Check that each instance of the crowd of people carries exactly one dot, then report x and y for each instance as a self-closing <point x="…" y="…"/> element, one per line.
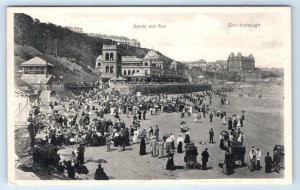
<point x="82" y="122"/>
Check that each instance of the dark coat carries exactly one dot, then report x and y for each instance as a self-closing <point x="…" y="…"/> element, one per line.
<point x="143" y="146"/>
<point x="187" y="138"/>
<point x="205" y="156"/>
<point x="100" y="174"/>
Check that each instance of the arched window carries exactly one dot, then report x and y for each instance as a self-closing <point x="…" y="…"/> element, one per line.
<point x="146" y="72"/>
<point x="107" y="56"/>
<point x="111" y="56"/>
<point x="137" y="71"/>
<point x="133" y="72"/>
<point x="146" y="63"/>
<point x="129" y="72"/>
<point x="111" y="69"/>
<point x="99" y="64"/>
<point x="107" y="69"/>
<point x="124" y="72"/>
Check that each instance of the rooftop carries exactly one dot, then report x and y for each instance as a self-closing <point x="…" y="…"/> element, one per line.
<point x="36" y="79"/>
<point x="131" y="59"/>
<point x="36" y="61"/>
<point x="111" y="47"/>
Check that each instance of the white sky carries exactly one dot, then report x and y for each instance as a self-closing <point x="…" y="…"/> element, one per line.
<point x="191" y="33"/>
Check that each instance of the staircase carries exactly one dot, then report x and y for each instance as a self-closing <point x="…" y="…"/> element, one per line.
<point x="45" y="96"/>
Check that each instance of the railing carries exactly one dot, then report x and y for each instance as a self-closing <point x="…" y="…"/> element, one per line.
<point x="16" y="115"/>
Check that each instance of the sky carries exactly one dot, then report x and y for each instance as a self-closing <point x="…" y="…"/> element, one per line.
<point x="188" y="34"/>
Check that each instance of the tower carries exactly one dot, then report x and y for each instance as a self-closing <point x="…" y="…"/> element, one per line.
<point x="111" y="62"/>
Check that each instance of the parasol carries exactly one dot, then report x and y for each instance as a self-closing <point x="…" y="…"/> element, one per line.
<point x="83" y="142"/>
<point x="182" y="123"/>
<point x="142" y="132"/>
<point x="224" y="133"/>
<point x="100" y="161"/>
<point x="106" y="135"/>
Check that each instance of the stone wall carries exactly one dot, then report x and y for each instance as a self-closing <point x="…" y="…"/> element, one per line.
<point x="162" y="88"/>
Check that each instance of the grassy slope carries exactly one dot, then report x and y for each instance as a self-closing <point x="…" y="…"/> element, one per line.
<point x="31" y="38"/>
<point x="61" y="65"/>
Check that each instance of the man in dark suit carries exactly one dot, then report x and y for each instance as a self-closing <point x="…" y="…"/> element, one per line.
<point x="205" y="157"/>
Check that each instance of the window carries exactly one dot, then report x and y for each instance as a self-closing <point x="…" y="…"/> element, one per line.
<point x="39" y="70"/>
<point x="137" y="71"/>
<point x="146" y="63"/>
<point x="111" y="56"/>
<point x="30" y="70"/>
<point x="146" y="72"/>
<point x="106" y="69"/>
<point x="25" y="70"/>
<point x="129" y="72"/>
<point x="111" y="69"/>
<point x="124" y="72"/>
<point x="106" y="56"/>
<point x="133" y="72"/>
<point x="99" y="64"/>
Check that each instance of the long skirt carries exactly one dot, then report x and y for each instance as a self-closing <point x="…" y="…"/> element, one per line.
<point x="222" y="143"/>
<point x="173" y="145"/>
<point x="224" y="121"/>
<point x="182" y="115"/>
<point x="268" y="168"/>
<point x="135" y="139"/>
<point x="252" y="165"/>
<point x="179" y="147"/>
<point x="168" y="148"/>
<point x="161" y="151"/>
<point x="170" y="164"/>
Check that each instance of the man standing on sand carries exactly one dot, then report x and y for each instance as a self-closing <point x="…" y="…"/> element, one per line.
<point x="230" y="124"/>
<point x="153" y="145"/>
<point x="269" y="163"/>
<point x="258" y="155"/>
<point x="211" y="136"/>
<point x="252" y="159"/>
<point x="205" y="157"/>
<point x="211" y="116"/>
<point x="156" y="132"/>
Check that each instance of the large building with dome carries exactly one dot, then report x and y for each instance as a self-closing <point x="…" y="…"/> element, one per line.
<point x="111" y="65"/>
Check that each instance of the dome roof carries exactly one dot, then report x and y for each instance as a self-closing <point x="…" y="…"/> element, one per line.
<point x="174" y="63"/>
<point x="151" y="55"/>
<point x="99" y="58"/>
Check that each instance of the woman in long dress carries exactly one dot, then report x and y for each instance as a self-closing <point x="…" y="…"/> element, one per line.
<point x="269" y="163"/>
<point x="161" y="149"/>
<point x="222" y="142"/>
<point x="228" y="163"/>
<point x="187" y="138"/>
<point x="239" y="123"/>
<point x="224" y="120"/>
<point x="135" y="137"/>
<point x="168" y="145"/>
<point x="170" y="162"/>
<point x="179" y="144"/>
<point x="143" y="146"/>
